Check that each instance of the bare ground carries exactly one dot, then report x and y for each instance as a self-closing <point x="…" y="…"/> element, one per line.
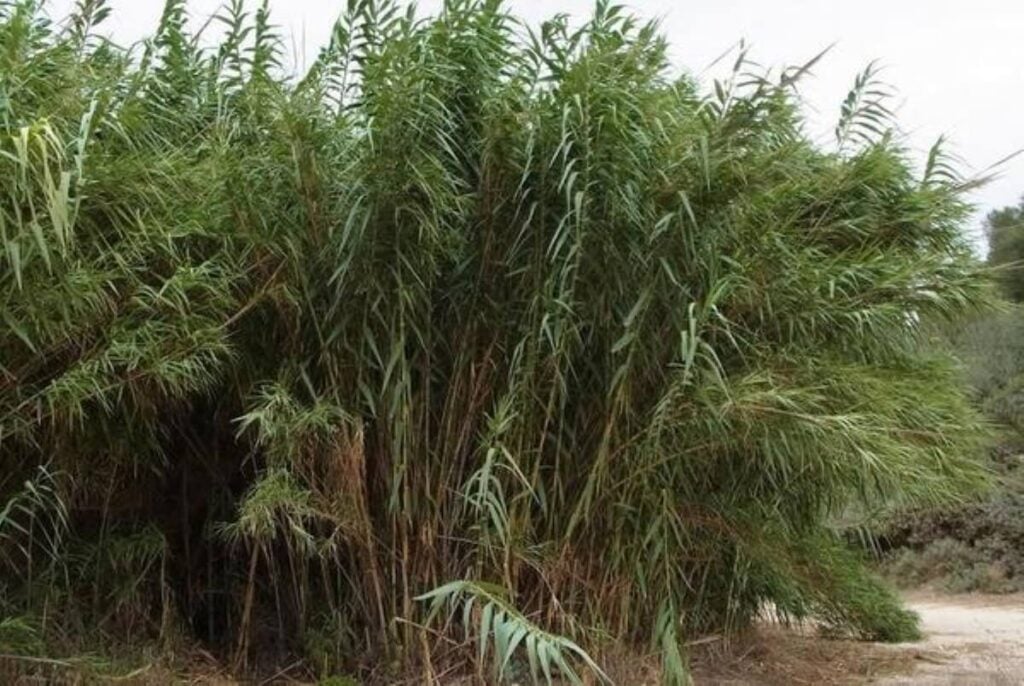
<point x="969" y="640"/>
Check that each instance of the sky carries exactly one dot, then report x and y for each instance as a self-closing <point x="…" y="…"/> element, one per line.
<point x="957" y="67"/>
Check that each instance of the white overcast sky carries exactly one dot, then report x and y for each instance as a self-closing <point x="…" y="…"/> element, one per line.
<point x="958" y="66"/>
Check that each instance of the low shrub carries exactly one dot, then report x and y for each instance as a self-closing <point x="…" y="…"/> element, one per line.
<point x="973" y="547"/>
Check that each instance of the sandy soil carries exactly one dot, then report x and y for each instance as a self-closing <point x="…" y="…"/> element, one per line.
<point x="970" y="640"/>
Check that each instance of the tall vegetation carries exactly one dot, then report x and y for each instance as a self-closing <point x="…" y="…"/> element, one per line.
<point x="470" y="336"/>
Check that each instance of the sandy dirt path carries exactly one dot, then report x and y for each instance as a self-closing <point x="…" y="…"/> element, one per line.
<point x="969" y="640"/>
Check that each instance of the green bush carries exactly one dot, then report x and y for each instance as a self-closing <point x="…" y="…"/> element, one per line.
<point x="949" y="565"/>
<point x="514" y="322"/>
<point x="974" y="547"/>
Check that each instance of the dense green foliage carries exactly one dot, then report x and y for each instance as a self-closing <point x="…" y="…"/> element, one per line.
<point x="469" y="331"/>
<point x="1004" y="229"/>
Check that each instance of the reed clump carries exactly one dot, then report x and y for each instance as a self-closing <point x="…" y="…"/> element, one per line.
<point x="475" y="347"/>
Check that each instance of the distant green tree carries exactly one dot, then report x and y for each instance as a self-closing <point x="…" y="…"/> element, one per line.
<point x="1004" y="229"/>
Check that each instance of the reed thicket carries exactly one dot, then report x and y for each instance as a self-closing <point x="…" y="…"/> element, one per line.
<point x="473" y="345"/>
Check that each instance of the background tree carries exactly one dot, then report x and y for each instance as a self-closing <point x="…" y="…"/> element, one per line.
<point x="1004" y="229"/>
